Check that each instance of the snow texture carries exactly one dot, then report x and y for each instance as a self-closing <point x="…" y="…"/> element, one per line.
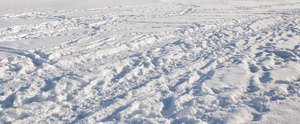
<point x="150" y="62"/>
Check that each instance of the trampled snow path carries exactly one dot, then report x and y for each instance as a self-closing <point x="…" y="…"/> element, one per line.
<point x="173" y="64"/>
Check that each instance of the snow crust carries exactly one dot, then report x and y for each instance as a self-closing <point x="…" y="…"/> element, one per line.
<point x="150" y="62"/>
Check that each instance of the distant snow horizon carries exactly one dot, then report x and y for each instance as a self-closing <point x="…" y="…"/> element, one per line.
<point x="17" y="4"/>
<point x="22" y="4"/>
<point x="66" y="4"/>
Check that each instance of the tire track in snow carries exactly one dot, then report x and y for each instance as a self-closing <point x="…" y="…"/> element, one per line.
<point x="164" y="73"/>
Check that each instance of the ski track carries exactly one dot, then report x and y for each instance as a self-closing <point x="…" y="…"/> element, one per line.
<point x="178" y="64"/>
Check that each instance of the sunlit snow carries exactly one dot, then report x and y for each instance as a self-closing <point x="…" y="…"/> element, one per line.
<point x="150" y="61"/>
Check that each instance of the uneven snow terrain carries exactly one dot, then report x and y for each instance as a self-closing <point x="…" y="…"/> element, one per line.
<point x="175" y="61"/>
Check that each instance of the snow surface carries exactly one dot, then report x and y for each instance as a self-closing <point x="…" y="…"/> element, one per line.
<point x="150" y="62"/>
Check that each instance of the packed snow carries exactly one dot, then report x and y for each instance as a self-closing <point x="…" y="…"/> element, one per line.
<point x="150" y="62"/>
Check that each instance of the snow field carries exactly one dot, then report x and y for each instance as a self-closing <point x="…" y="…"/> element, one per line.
<point x="180" y="63"/>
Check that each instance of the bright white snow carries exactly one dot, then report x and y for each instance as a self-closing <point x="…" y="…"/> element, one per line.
<point x="150" y="62"/>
